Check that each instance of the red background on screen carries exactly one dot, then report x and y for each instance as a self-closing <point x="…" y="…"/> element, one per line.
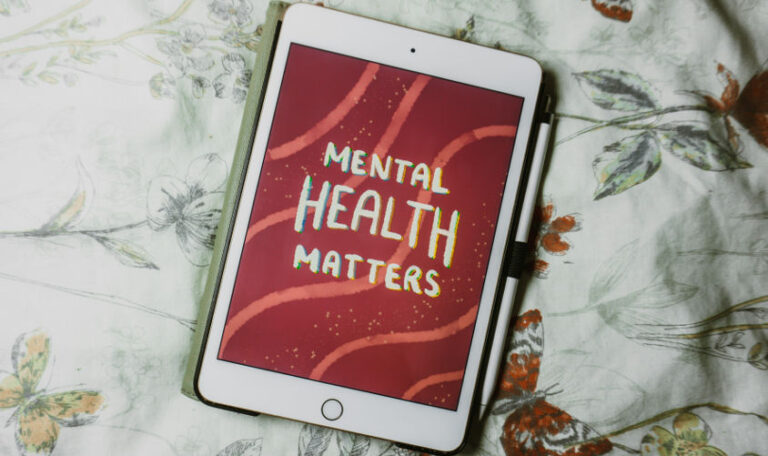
<point x="349" y="332"/>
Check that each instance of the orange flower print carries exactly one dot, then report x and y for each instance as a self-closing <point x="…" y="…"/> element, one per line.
<point x="540" y="268"/>
<point x="749" y="108"/>
<point x="620" y="10"/>
<point x="549" y="237"/>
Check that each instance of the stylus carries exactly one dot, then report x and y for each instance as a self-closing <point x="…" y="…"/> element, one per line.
<point x="513" y="273"/>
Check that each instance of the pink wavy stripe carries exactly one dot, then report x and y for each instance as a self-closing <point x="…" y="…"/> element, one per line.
<point x="436" y="379"/>
<point x="396" y="124"/>
<point x="429" y="335"/>
<point x="330" y="289"/>
<point x="331" y="119"/>
<point x="381" y="149"/>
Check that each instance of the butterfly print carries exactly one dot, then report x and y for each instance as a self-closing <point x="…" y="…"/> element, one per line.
<point x="40" y="415"/>
<point x="534" y="427"/>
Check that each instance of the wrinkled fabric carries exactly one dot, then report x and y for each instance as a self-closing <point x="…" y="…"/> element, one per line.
<point x="646" y="296"/>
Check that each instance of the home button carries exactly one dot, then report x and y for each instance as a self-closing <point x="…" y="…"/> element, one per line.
<point x="332" y="409"/>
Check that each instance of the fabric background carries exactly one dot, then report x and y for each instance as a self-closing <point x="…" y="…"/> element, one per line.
<point x="118" y="121"/>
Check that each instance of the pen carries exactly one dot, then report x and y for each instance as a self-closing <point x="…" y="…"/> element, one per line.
<point x="513" y="273"/>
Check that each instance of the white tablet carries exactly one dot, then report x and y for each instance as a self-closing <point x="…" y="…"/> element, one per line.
<point x="367" y="245"/>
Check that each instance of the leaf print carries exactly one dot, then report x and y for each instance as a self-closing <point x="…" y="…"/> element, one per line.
<point x="244" y="447"/>
<point x="633" y="313"/>
<point x="694" y="144"/>
<point x="617" y="90"/>
<point x="758" y="355"/>
<point x="626" y="163"/>
<point x="352" y="444"/>
<point x="48" y="77"/>
<point x="756" y="216"/>
<point x="28" y="69"/>
<point x="757" y="251"/>
<point x="659" y="294"/>
<point x="611" y="272"/>
<point x="126" y="252"/>
<point x="726" y="341"/>
<point x="662" y="292"/>
<point x="397" y="451"/>
<point x="62" y="224"/>
<point x="713" y="147"/>
<point x="621" y="10"/>
<point x="74" y="210"/>
<point x="313" y="440"/>
<point x="467" y="32"/>
<point x="725" y="335"/>
<point x="7" y="5"/>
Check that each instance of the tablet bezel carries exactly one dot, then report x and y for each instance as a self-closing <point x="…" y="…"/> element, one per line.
<point x="230" y="385"/>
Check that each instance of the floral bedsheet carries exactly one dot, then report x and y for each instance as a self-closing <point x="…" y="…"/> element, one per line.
<point x="643" y="324"/>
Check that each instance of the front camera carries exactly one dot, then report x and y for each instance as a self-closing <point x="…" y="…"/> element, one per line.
<point x="413" y="50"/>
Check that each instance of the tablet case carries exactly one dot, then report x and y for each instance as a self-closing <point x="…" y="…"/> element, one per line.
<point x="253" y="103"/>
<point x="514" y="258"/>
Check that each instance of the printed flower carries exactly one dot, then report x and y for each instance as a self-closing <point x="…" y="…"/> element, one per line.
<point x="549" y="237"/>
<point x="235" y="76"/>
<point x="199" y="84"/>
<point x="620" y="10"/>
<point x="237" y="12"/>
<point x="162" y="85"/>
<point x="235" y="37"/>
<point x="184" y="51"/>
<point x="749" y="108"/>
<point x="540" y="268"/>
<point x="690" y="438"/>
<point x="192" y="206"/>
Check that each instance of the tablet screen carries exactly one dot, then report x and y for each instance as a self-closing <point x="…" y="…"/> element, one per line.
<point x="371" y="228"/>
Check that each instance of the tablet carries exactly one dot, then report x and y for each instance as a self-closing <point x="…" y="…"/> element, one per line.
<point x="366" y="248"/>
